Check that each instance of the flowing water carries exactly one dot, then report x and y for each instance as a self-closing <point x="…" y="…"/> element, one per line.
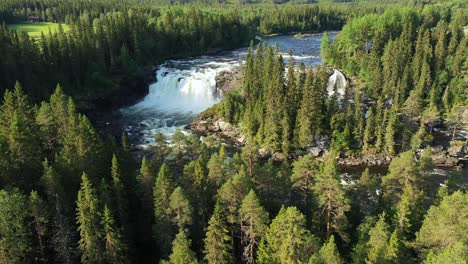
<point x="186" y="87"/>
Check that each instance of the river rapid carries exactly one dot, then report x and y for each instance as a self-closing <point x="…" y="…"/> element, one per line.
<point x="186" y="87"/>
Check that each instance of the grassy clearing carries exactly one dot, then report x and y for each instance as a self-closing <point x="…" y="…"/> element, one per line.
<point x="35" y="29"/>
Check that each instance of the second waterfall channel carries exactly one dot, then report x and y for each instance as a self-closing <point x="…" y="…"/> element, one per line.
<point x="186" y="87"/>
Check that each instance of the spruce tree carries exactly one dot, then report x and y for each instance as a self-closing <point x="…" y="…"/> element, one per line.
<point x="325" y="49"/>
<point x="181" y="252"/>
<point x="218" y="247"/>
<point x="304" y="128"/>
<point x="328" y="254"/>
<point x="115" y="250"/>
<point x="88" y="221"/>
<point x="15" y="240"/>
<point x="162" y="191"/>
<point x="40" y="221"/>
<point x="119" y="190"/>
<point x="20" y="157"/>
<point x="369" y="131"/>
<point x="378" y="242"/>
<point x="253" y="219"/>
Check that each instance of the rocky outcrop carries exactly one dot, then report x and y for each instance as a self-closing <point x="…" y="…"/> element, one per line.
<point x="213" y="125"/>
<point x="365" y="160"/>
<point x="227" y="81"/>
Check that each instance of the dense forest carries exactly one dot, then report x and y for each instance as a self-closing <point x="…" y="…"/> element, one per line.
<point x="108" y="44"/>
<point x="71" y="195"/>
<point x="411" y="72"/>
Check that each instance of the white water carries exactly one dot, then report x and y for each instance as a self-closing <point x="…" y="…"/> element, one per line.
<point x="184" y="88"/>
<point x="183" y="91"/>
<point x="337" y="84"/>
<point x="180" y="93"/>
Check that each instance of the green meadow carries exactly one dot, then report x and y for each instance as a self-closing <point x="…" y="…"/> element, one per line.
<point x="35" y="29"/>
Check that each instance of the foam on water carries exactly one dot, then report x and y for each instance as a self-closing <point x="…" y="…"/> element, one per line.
<point x="184" y="88"/>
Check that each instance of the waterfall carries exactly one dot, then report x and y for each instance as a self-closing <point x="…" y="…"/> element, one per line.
<point x="181" y="91"/>
<point x="336" y="83"/>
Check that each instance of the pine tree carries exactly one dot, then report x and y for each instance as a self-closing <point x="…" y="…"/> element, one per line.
<point x="253" y="219"/>
<point x="181" y="252"/>
<point x="88" y="221"/>
<point x="180" y="208"/>
<point x="218" y="247"/>
<point x="444" y="225"/>
<point x="115" y="250"/>
<point x="216" y="170"/>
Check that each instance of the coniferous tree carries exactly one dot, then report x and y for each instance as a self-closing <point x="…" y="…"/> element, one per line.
<point x="115" y="250"/>
<point x="287" y="240"/>
<point x="218" y="246"/>
<point x="325" y="49"/>
<point x="162" y="191"/>
<point x="181" y="252"/>
<point x="119" y="190"/>
<point x="304" y="128"/>
<point x="40" y="220"/>
<point x="253" y="219"/>
<point x="378" y="241"/>
<point x="305" y="172"/>
<point x="19" y="140"/>
<point x="88" y="221"/>
<point x="181" y="209"/>
<point x="331" y="198"/>
<point x="15" y="240"/>
<point x="369" y="131"/>
<point x="328" y="254"/>
<point x="443" y="225"/>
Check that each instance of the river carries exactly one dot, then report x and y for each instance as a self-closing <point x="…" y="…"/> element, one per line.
<point x="186" y="87"/>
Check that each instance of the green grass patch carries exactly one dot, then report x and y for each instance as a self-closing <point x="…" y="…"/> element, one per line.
<point x="34" y="30"/>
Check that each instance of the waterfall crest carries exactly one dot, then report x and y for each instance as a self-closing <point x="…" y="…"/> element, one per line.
<point x="182" y="91"/>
